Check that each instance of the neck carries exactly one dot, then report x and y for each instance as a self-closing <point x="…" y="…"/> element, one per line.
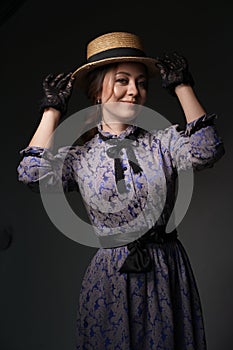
<point x="113" y="128"/>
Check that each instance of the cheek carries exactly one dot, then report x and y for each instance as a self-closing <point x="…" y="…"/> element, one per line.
<point x="143" y="94"/>
<point x="119" y="91"/>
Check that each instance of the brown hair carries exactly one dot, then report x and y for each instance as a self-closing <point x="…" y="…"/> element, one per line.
<point x="93" y="90"/>
<point x="95" y="82"/>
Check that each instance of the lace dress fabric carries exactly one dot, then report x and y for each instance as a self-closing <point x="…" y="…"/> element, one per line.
<point x="159" y="309"/>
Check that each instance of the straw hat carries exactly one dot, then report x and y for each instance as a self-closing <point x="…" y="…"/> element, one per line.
<point x="114" y="47"/>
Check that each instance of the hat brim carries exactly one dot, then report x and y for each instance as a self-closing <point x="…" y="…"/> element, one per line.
<point x="81" y="73"/>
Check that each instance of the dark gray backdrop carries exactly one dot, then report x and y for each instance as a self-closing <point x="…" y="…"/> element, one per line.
<point x="41" y="271"/>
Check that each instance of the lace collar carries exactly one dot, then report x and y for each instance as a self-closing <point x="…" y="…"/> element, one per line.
<point x="129" y="130"/>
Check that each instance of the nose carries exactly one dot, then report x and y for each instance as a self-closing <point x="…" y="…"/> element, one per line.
<point x="132" y="89"/>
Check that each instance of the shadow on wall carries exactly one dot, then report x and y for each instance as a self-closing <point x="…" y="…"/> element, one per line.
<point x="5" y="237"/>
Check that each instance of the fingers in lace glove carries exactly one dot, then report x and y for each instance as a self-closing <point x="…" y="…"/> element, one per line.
<point x="57" y="92"/>
<point x="174" y="70"/>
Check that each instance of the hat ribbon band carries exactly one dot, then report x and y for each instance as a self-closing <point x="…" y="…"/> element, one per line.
<point x="116" y="52"/>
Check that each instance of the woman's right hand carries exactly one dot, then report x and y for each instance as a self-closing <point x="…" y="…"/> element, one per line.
<point x="57" y="92"/>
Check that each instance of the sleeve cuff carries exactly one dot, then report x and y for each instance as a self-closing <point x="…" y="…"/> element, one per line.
<point x="39" y="152"/>
<point x="199" y="123"/>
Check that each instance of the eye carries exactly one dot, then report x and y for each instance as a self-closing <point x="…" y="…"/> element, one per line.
<point x="122" y="81"/>
<point x="143" y="84"/>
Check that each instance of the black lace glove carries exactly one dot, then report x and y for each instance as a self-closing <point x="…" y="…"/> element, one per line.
<point x="174" y="71"/>
<point x="57" y="92"/>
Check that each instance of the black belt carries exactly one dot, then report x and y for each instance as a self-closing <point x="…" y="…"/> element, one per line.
<point x="138" y="259"/>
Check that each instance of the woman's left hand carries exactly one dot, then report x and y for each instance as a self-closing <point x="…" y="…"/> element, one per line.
<point x="174" y="71"/>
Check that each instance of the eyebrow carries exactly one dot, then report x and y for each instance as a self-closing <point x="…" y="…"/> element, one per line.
<point x="126" y="73"/>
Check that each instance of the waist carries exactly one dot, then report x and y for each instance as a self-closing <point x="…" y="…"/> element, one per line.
<point x="139" y="259"/>
<point x="156" y="234"/>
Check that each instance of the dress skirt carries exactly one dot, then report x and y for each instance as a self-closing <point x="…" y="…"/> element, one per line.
<point x="157" y="310"/>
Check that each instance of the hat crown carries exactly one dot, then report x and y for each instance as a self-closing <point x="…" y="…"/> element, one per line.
<point x="113" y="40"/>
<point x="113" y="48"/>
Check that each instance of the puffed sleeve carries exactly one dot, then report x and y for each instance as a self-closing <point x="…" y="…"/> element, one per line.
<point x="199" y="146"/>
<point x="40" y="169"/>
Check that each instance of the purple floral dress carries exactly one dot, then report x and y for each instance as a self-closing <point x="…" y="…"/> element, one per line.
<point x="159" y="309"/>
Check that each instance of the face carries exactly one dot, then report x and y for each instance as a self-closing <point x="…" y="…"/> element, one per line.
<point x="127" y="85"/>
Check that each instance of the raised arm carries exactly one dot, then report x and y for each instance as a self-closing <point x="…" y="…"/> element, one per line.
<point x="199" y="145"/>
<point x="189" y="102"/>
<point x="57" y="92"/>
<point x="48" y="124"/>
<point x="178" y="81"/>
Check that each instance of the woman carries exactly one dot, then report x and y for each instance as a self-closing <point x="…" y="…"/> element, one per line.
<point x="141" y="294"/>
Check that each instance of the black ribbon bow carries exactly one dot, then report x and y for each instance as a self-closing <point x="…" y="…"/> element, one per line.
<point x="115" y="152"/>
<point x="138" y="259"/>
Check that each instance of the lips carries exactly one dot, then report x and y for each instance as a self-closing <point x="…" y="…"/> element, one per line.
<point x="132" y="102"/>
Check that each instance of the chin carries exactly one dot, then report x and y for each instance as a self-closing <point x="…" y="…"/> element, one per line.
<point x="122" y="111"/>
